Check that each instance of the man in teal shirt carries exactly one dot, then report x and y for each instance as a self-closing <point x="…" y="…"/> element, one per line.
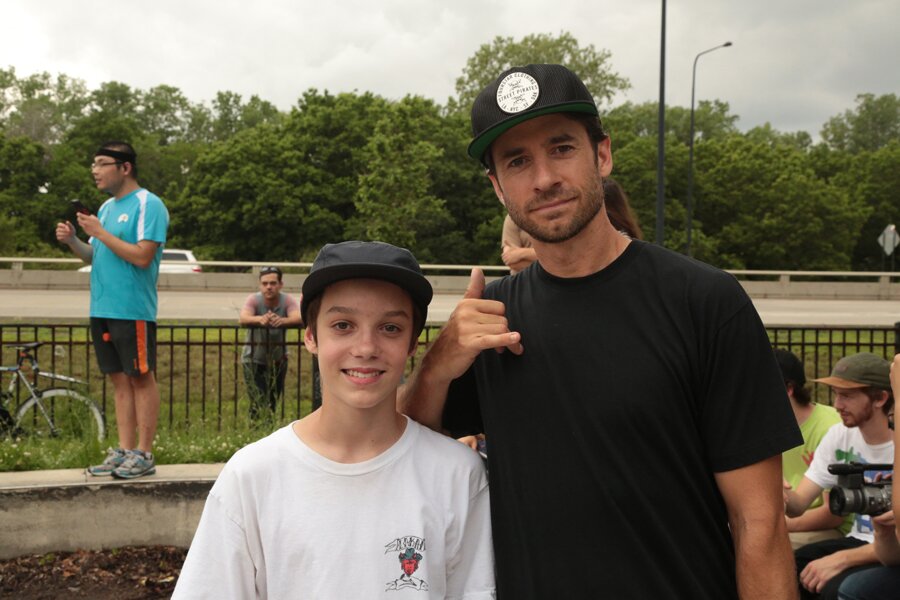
<point x="125" y="247"/>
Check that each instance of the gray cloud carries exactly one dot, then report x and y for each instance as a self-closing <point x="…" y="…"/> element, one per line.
<point x="794" y="63"/>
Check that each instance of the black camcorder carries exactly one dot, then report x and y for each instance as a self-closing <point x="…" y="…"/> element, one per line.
<point x="853" y="495"/>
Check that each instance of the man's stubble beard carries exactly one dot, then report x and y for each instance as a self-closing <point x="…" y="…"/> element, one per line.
<point x="591" y="204"/>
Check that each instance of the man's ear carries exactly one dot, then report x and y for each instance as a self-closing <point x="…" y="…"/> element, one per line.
<point x="604" y="158"/>
<point x="497" y="189"/>
<point x="309" y="340"/>
<point x="882" y="400"/>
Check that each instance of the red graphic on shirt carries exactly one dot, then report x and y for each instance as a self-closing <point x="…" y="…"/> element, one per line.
<point x="808" y="457"/>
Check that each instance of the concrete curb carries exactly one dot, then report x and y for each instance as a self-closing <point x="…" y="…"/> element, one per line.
<point x="67" y="510"/>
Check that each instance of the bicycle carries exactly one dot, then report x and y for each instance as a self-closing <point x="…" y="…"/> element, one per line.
<point x="52" y="412"/>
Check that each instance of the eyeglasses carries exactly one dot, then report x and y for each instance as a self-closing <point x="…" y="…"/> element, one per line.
<point x="267" y="270"/>
<point x="96" y="165"/>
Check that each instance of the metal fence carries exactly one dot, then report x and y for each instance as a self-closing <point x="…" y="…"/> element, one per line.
<point x="199" y="370"/>
<point x="201" y="380"/>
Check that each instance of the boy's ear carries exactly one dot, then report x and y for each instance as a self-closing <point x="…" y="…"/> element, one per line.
<point x="309" y="341"/>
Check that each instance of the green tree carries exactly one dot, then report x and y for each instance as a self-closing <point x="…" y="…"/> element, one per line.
<point x="279" y="191"/>
<point x="395" y="201"/>
<point x="27" y="214"/>
<point x="40" y="107"/>
<point x="871" y="125"/>
<point x="628" y="122"/>
<point x="767" y="209"/>
<point x="873" y="178"/>
<point x="589" y="63"/>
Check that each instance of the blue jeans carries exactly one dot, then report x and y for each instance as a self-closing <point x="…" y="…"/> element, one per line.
<point x="877" y="583"/>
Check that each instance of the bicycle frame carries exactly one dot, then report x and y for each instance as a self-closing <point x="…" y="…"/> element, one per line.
<point x="33" y="390"/>
<point x="36" y="395"/>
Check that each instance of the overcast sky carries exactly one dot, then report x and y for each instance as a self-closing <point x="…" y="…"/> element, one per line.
<point x="794" y="63"/>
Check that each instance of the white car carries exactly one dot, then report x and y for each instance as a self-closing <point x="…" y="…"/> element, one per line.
<point x="173" y="261"/>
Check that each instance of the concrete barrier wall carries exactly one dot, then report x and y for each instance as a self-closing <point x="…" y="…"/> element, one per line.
<point x="90" y="517"/>
<point x="784" y="287"/>
<point x="227" y="282"/>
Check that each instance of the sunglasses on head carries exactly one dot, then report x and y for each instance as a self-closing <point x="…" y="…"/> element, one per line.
<point x="267" y="270"/>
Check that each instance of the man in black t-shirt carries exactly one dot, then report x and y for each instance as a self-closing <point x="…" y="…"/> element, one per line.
<point x="631" y="401"/>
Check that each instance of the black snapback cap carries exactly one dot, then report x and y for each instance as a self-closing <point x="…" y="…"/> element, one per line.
<point x="366" y="260"/>
<point x="522" y="93"/>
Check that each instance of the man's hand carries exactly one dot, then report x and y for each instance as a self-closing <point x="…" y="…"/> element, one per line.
<point x="474" y="325"/>
<point x="273" y="320"/>
<point x="471" y="440"/>
<point x="65" y="233"/>
<point x="884" y="523"/>
<point x="820" y="571"/>
<point x="518" y="259"/>
<point x="90" y="224"/>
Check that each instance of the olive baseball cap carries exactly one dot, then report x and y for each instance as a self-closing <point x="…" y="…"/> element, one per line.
<point x="859" y="371"/>
<point x="522" y="93"/>
<point x="366" y="260"/>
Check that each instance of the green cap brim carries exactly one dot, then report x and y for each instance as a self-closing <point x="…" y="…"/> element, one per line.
<point x="480" y="144"/>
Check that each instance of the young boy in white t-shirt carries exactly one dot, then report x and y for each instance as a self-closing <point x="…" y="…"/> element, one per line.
<point x="354" y="500"/>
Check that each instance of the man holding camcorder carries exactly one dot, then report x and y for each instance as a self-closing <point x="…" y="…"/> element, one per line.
<point x="861" y="390"/>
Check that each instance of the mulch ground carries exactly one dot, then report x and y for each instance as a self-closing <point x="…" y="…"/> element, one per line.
<point x="122" y="574"/>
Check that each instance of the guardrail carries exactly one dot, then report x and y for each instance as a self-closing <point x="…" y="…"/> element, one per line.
<point x="841" y="285"/>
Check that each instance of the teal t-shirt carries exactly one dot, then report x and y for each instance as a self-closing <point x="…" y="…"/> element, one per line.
<point x="120" y="290"/>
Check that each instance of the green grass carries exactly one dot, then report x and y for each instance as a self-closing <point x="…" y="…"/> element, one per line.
<point x="198" y="445"/>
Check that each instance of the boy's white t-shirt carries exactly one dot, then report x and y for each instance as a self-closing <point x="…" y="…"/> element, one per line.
<point x="282" y="521"/>
<point x="844" y="444"/>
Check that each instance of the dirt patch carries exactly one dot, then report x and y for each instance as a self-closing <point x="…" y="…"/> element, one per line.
<point x="131" y="573"/>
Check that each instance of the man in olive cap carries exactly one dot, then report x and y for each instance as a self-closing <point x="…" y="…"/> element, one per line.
<point x="861" y="392"/>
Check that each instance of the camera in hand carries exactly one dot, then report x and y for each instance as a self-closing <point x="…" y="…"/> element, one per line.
<point x="853" y="495"/>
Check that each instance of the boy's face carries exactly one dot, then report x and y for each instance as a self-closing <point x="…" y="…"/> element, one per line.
<point x="363" y="337"/>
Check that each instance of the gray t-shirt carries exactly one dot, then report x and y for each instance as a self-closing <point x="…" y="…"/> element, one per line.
<point x="265" y="345"/>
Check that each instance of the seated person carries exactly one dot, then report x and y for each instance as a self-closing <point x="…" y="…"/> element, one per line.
<point x="882" y="583"/>
<point x="354" y="500"/>
<point x="817" y="522"/>
<point x="861" y="391"/>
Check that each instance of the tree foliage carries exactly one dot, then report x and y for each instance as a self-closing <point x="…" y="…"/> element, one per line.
<point x="590" y="64"/>
<point x="874" y="123"/>
<point x="246" y="181"/>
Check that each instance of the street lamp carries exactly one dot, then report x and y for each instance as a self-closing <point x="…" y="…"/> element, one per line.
<point x="690" y="190"/>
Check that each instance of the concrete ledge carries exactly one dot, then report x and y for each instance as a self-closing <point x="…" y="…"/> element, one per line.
<point x="66" y="510"/>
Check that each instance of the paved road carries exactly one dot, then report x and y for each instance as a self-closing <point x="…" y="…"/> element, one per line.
<point x="68" y="304"/>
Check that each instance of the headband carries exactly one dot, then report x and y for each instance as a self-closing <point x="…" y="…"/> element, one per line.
<point x="123" y="156"/>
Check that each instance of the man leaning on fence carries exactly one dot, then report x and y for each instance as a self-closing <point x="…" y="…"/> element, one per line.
<point x="267" y="313"/>
<point x="124" y="249"/>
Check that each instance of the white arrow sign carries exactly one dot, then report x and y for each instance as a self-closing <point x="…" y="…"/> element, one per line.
<point x="889" y="239"/>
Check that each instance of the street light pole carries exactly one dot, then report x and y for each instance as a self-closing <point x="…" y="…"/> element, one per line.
<point x="661" y="137"/>
<point x="690" y="190"/>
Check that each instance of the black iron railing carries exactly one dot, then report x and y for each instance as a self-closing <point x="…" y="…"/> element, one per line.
<point x="200" y="375"/>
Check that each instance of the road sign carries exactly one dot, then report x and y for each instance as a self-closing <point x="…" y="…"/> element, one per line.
<point x="889" y="239"/>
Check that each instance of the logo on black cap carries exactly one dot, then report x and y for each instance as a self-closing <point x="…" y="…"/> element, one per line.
<point x="517" y="92"/>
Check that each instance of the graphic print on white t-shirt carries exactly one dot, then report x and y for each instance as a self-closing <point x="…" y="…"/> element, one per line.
<point x="411" y="550"/>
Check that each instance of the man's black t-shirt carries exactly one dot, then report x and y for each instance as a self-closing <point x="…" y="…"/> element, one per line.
<point x="637" y="383"/>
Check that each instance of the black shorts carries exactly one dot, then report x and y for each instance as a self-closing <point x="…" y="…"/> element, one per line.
<point x="124" y="346"/>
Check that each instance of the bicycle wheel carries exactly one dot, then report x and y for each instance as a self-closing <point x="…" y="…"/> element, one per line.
<point x="61" y="413"/>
